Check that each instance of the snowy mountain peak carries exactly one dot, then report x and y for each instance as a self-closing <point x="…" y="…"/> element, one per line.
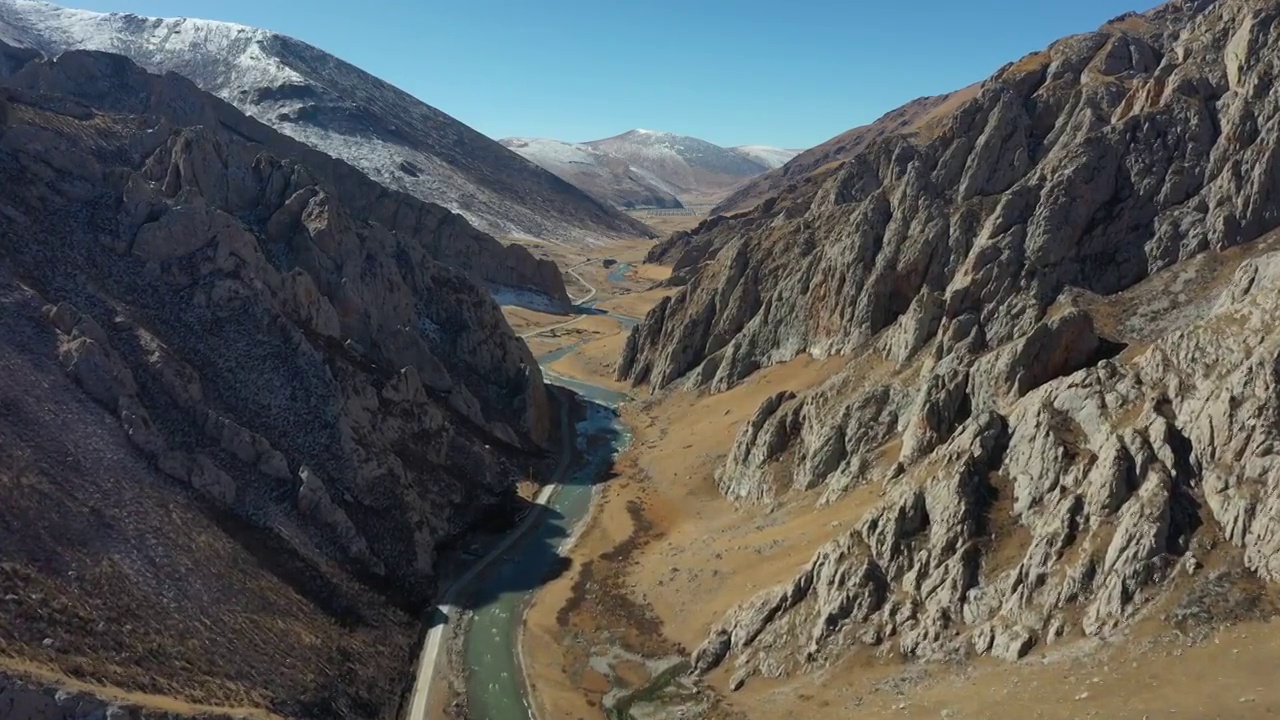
<point x="58" y="28"/>
<point x="610" y="179"/>
<point x="770" y="157"/>
<point x="667" y="164"/>
<point x="687" y="166"/>
<point x="339" y="109"/>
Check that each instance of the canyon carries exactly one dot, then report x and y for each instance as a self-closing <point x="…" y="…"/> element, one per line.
<point x="971" y="407"/>
<point x="233" y="386"/>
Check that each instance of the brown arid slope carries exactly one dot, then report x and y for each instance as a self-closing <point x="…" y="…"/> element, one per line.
<point x="240" y="416"/>
<point x="917" y="116"/>
<point x="1055" y="424"/>
<point x="663" y="552"/>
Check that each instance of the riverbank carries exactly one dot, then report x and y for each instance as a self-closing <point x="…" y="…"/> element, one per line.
<point x="485" y="679"/>
<point x="495" y="688"/>
<point x="664" y="555"/>
<point x="661" y="556"/>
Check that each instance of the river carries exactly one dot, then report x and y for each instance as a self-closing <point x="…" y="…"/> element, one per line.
<point x="495" y="685"/>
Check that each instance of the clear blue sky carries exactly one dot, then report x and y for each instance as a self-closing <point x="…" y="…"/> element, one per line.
<point x="789" y="73"/>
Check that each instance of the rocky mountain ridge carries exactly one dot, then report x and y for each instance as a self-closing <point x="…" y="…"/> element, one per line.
<point x="1054" y="295"/>
<point x="338" y="109"/>
<point x="810" y="165"/>
<point x="448" y="237"/>
<point x="235" y="379"/>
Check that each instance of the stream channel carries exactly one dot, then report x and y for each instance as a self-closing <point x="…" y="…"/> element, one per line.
<point x="495" y="686"/>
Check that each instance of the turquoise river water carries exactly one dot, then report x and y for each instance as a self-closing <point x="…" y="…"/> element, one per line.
<point x="495" y="687"/>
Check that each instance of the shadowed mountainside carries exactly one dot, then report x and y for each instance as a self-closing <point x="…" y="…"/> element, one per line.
<point x="244" y="401"/>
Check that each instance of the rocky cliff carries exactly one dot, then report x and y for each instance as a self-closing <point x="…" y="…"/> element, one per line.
<point x="244" y="401"/>
<point x="1063" y="366"/>
<point x="110" y="83"/>
<point x="806" y="168"/>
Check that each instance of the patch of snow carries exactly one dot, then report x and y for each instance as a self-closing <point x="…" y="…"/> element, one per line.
<point x="527" y="299"/>
<point x="430" y="330"/>
<point x="770" y="157"/>
<point x="552" y="153"/>
<point x="677" y="163"/>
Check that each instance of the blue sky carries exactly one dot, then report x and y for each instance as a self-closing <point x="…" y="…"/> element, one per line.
<point x="789" y="73"/>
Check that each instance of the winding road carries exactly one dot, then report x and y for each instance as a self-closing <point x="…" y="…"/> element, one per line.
<point x="577" y="301"/>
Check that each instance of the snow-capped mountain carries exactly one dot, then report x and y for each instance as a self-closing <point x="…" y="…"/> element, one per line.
<point x="605" y="176"/>
<point x="647" y="164"/>
<point x="771" y="157"/>
<point x="339" y="109"/>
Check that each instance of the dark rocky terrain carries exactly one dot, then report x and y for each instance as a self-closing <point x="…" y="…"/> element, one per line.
<point x="811" y="166"/>
<point x="448" y="237"/>
<point x="245" y="399"/>
<point x="1057" y="299"/>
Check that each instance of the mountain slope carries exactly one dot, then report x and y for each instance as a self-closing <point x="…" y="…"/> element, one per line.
<point x="446" y="236"/>
<point x="1061" y="386"/>
<point x="339" y="109"/>
<point x="242" y="415"/>
<point x="800" y="167"/>
<point x="604" y="176"/>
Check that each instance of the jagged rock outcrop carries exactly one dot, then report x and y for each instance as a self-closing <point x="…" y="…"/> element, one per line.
<point x="1093" y="164"/>
<point x="322" y="283"/>
<point x="1061" y="373"/>
<point x="305" y="403"/>
<point x="1066" y="516"/>
<point x="110" y="82"/>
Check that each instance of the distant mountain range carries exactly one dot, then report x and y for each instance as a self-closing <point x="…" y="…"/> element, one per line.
<point x="646" y="168"/>
<point x="339" y="109"/>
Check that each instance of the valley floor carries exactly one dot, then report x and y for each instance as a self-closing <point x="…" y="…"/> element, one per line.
<point x="664" y="555"/>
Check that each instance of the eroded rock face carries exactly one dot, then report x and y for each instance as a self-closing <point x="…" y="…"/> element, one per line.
<point x="1066" y="514"/>
<point x="112" y="83"/>
<point x="1103" y="159"/>
<point x="1062" y="366"/>
<point x="305" y="364"/>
